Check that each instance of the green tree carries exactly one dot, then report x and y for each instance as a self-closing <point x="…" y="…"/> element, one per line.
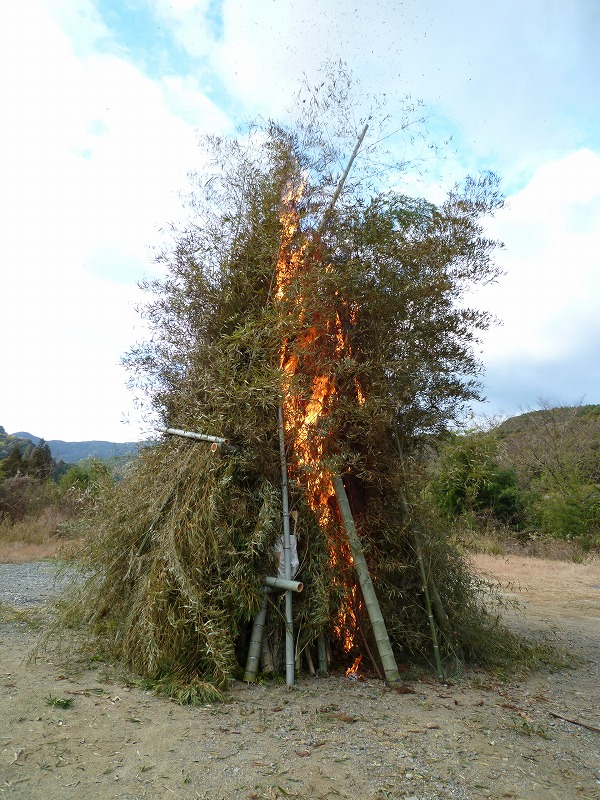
<point x="14" y="464"/>
<point x="555" y="454"/>
<point x="87" y="476"/>
<point x="469" y="479"/>
<point x="40" y="463"/>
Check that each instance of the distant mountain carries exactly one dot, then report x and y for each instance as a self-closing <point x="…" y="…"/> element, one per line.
<point x="8" y="442"/>
<point x="25" y="435"/>
<point x="72" y="452"/>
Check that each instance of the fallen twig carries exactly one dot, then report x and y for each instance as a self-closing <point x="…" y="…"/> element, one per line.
<point x="575" y="722"/>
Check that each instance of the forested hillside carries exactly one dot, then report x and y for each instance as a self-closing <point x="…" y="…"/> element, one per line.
<point x="536" y="474"/>
<point x="72" y="452"/>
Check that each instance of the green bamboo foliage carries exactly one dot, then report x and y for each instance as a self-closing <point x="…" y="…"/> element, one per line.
<point x="180" y="549"/>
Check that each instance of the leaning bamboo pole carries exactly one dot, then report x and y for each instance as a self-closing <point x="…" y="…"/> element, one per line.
<point x="341" y="182"/>
<point x="200" y="437"/>
<point x="433" y="601"/>
<point x="428" y="607"/>
<point x="382" y="639"/>
<point x="287" y="558"/>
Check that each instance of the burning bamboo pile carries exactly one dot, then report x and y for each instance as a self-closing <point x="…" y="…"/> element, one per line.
<point x="307" y="336"/>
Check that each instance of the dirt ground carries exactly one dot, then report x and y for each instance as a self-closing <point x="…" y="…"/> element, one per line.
<point x="327" y="737"/>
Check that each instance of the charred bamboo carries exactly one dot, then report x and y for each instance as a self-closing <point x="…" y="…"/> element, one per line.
<point x="322" y="655"/>
<point x="382" y="639"/>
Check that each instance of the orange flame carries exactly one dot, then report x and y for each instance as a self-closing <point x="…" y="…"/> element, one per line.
<point x="353" y="670"/>
<point x="303" y="417"/>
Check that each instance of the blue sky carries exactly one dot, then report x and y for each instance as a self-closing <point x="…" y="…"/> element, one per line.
<point x="103" y="101"/>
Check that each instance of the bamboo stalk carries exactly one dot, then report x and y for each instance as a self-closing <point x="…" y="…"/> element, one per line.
<point x="256" y="638"/>
<point x="309" y="661"/>
<point x="281" y="583"/>
<point x="425" y="587"/>
<point x="438" y="606"/>
<point x="287" y="558"/>
<point x="341" y="182"/>
<point x="366" y="584"/>
<point x="202" y="437"/>
<point x="322" y="654"/>
<point x="444" y="621"/>
<point x="266" y="657"/>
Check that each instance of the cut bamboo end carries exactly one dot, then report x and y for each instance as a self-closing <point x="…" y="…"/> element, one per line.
<point x="286" y="586"/>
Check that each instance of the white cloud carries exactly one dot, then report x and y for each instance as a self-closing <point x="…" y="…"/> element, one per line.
<point x="549" y="298"/>
<point x="95" y="152"/>
<point x="92" y="162"/>
<point x="515" y="79"/>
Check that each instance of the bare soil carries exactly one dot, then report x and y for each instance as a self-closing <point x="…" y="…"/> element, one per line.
<point x="477" y="737"/>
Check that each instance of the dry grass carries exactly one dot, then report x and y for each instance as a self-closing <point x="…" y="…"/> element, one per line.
<point x="504" y="543"/>
<point x="35" y="537"/>
<point x="549" y="580"/>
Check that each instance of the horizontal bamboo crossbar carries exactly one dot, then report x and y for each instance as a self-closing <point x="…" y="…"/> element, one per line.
<point x="202" y="437"/>
<point x="281" y="583"/>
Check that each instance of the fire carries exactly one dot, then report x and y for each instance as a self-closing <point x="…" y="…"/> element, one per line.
<point x="353" y="670"/>
<point x="304" y="416"/>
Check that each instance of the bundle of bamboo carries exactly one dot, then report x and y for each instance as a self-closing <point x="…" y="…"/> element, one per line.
<point x="313" y="334"/>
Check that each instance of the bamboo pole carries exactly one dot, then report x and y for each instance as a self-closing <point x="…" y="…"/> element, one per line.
<point x="444" y="622"/>
<point x="366" y="584"/>
<point x="281" y="583"/>
<point x="426" y="595"/>
<point x="256" y="639"/>
<point x="322" y="654"/>
<point x="287" y="558"/>
<point x="341" y="182"/>
<point x="266" y="658"/>
<point x="202" y="437"/>
<point x="309" y="662"/>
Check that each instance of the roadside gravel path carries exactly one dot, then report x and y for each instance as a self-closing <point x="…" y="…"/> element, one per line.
<point x="475" y="738"/>
<point x="31" y="584"/>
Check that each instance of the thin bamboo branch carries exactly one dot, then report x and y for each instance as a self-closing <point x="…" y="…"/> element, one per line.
<point x="425" y="587"/>
<point x="575" y="722"/>
<point x="366" y="584"/>
<point x="341" y="182"/>
<point x="287" y="558"/>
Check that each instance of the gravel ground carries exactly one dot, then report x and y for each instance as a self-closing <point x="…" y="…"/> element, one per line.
<point x="31" y="584"/>
<point x="476" y="738"/>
